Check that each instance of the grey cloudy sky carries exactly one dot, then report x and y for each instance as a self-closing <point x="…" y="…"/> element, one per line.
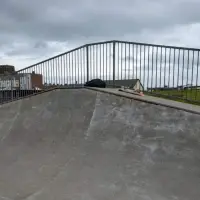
<point x="33" y="30"/>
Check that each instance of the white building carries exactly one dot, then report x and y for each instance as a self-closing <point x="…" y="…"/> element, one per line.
<point x="21" y="81"/>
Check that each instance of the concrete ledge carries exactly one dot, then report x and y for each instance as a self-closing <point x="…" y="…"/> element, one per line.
<point x="115" y="91"/>
<point x="28" y="96"/>
<point x="37" y="93"/>
<point x="153" y="100"/>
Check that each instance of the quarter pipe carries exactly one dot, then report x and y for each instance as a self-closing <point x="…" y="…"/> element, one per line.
<point x="87" y="145"/>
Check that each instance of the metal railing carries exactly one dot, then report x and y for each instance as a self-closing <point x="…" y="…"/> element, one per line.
<point x="167" y="71"/>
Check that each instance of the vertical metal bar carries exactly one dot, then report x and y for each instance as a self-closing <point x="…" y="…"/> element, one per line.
<point x="106" y="62"/>
<point x="188" y="62"/>
<point x="169" y="67"/>
<point x="152" y="69"/>
<point x="161" y="66"/>
<point x="70" y="69"/>
<point x="53" y="73"/>
<point x="140" y="61"/>
<point x="169" y="71"/>
<point x="87" y="62"/>
<point x="43" y="74"/>
<point x="56" y="71"/>
<point x="114" y="43"/>
<point x="50" y="72"/>
<point x="75" y="67"/>
<point x="192" y="96"/>
<point x="100" y="61"/>
<point x="11" y="79"/>
<point x="197" y="75"/>
<point x="110" y="66"/>
<point x="183" y="70"/>
<point x="44" y="81"/>
<point x="121" y="59"/>
<point x="85" y="66"/>
<point x="174" y="67"/>
<point x="156" y="66"/>
<point x="148" y="70"/>
<point x="53" y="69"/>
<point x="72" y="57"/>
<point x="94" y="59"/>
<point x="136" y="59"/>
<point x="61" y="70"/>
<point x="66" y="71"/>
<point x="129" y="58"/>
<point x="46" y="70"/>
<point x="96" y="67"/>
<point x="47" y="74"/>
<point x="144" y="67"/>
<point x="103" y="62"/>
<point x="133" y="61"/>
<point x="125" y="60"/>
<point x="178" y="68"/>
<point x="165" y="67"/>
<point x="81" y="65"/>
<point x="118" y="59"/>
<point x="192" y="68"/>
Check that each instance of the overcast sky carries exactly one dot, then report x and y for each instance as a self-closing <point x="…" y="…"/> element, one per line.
<point x="33" y="30"/>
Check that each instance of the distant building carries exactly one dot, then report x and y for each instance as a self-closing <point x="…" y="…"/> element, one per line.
<point x="23" y="81"/>
<point x="179" y="87"/>
<point x="7" y="69"/>
<point x="130" y="83"/>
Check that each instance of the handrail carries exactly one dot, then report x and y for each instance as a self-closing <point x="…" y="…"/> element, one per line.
<point x="111" y="41"/>
<point x="158" y="45"/>
<point x="54" y="57"/>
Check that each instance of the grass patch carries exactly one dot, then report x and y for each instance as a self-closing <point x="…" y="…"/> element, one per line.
<point x="191" y="96"/>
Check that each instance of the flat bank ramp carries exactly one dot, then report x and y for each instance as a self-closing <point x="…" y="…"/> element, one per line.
<point x="86" y="145"/>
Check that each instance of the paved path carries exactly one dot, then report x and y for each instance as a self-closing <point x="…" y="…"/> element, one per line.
<point x="87" y="145"/>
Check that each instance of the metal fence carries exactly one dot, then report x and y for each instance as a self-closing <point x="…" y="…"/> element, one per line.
<point x="162" y="70"/>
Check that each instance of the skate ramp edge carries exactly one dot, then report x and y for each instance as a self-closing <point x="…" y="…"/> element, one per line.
<point x="147" y="99"/>
<point x="152" y="100"/>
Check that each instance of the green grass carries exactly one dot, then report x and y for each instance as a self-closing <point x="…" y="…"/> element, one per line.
<point x="191" y="96"/>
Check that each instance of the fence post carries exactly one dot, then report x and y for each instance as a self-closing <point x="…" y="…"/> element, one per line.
<point x="11" y="87"/>
<point x="114" y="43"/>
<point x="87" y="61"/>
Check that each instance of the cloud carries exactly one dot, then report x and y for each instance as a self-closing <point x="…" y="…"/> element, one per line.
<point x="30" y="31"/>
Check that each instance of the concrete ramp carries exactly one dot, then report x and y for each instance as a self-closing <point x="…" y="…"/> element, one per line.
<point x="88" y="145"/>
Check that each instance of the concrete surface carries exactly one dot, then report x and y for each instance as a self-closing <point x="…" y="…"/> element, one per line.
<point x="87" y="145"/>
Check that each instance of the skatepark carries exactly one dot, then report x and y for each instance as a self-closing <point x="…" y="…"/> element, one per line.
<point x="90" y="144"/>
